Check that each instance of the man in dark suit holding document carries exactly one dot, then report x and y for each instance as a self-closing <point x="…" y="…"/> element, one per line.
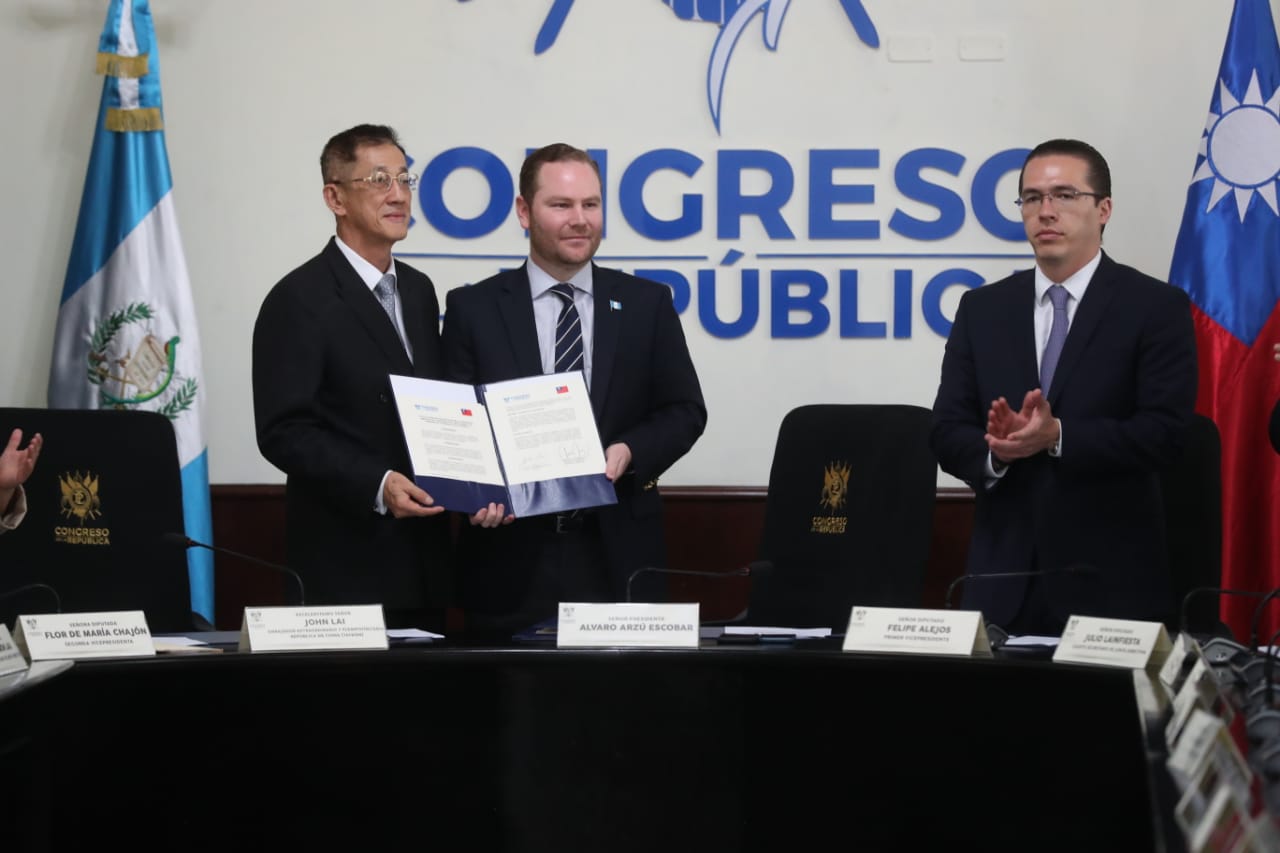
<point x="559" y="312"/>
<point x="359" y="530"/>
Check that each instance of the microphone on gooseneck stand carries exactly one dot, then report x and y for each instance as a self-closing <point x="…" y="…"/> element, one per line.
<point x="1215" y="590"/>
<point x="1036" y="573"/>
<point x="184" y="541"/>
<point x="1257" y="617"/>
<point x="756" y="568"/>
<point x="997" y="636"/>
<point x="30" y="587"/>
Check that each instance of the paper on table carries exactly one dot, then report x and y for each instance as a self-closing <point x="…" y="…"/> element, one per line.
<point x="798" y="633"/>
<point x="1032" y="640"/>
<point x="412" y="634"/>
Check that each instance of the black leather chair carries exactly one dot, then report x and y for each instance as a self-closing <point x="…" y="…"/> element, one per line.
<point x="105" y="491"/>
<point x="1192" y="491"/>
<point x="848" y="516"/>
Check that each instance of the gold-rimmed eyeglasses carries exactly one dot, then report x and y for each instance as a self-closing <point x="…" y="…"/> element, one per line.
<point x="382" y="181"/>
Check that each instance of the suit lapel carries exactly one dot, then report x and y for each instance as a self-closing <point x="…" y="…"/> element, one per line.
<point x="1024" y="333"/>
<point x="368" y="313"/>
<point x="1093" y="307"/>
<point x="604" y="343"/>
<point x="515" y="304"/>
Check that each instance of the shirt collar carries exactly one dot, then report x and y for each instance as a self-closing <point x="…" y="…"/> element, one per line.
<point x="540" y="281"/>
<point x="368" y="273"/>
<point x="1075" y="283"/>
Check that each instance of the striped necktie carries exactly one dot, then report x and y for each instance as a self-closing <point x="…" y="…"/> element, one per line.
<point x="568" y="331"/>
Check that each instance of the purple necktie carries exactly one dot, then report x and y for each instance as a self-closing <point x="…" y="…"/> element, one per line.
<point x="1057" y="336"/>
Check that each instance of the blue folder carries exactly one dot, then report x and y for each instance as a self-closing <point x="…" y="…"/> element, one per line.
<point x="541" y="497"/>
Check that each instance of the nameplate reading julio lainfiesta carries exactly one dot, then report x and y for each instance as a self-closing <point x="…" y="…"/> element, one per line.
<point x="71" y="636"/>
<point x="916" y="631"/>
<point x="667" y="626"/>
<point x="1113" y="642"/>
<point x="297" y="629"/>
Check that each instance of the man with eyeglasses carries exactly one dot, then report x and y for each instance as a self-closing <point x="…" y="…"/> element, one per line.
<point x="1064" y="389"/>
<point x="359" y="530"/>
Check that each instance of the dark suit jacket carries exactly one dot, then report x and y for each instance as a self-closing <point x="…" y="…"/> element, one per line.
<point x="644" y="391"/>
<point x="1124" y="390"/>
<point x="322" y="351"/>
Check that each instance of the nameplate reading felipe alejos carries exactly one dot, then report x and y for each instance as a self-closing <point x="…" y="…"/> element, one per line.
<point x="298" y="629"/>
<point x="901" y="630"/>
<point x="1113" y="642"/>
<point x="650" y="626"/>
<point x="72" y="636"/>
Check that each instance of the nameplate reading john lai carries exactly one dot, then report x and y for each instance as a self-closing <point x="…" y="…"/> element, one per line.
<point x="298" y="629"/>
<point x="666" y="626"/>
<point x="916" y="631"/>
<point x="1113" y="642"/>
<point x="72" y="636"/>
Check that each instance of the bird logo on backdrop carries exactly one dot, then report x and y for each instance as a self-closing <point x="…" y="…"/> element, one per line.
<point x="732" y="16"/>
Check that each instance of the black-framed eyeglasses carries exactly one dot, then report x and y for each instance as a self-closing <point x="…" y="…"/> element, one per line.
<point x="382" y="181"/>
<point x="1064" y="197"/>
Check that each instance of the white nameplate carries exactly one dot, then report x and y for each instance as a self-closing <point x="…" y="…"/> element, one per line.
<point x="1206" y="741"/>
<point x="916" y="631"/>
<point x="588" y="625"/>
<point x="1113" y="642"/>
<point x="11" y="659"/>
<point x="71" y="636"/>
<point x="1199" y="689"/>
<point x="1226" y="825"/>
<point x="1200" y="802"/>
<point x="296" y="629"/>
<point x="1182" y="655"/>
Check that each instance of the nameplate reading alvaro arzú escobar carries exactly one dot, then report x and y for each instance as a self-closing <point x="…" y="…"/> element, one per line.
<point x="297" y="629"/>
<point x="652" y="626"/>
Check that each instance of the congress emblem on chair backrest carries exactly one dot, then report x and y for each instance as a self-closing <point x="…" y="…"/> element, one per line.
<point x="80" y="501"/>
<point x="835" y="491"/>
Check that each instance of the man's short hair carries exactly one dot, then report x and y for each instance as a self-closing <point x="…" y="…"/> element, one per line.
<point x="557" y="152"/>
<point x="341" y="149"/>
<point x="1098" y="173"/>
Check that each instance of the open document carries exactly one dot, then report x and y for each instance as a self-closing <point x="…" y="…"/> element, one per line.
<point x="530" y="444"/>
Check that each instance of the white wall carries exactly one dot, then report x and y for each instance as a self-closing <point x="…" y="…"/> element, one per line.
<point x="252" y="91"/>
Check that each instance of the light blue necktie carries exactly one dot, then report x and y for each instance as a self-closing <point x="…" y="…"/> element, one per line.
<point x="386" y="293"/>
<point x="1057" y="336"/>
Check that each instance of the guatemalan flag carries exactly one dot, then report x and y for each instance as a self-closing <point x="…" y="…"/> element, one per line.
<point x="1227" y="258"/>
<point x="126" y="335"/>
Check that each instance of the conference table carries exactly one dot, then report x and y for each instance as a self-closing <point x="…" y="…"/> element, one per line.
<point x="441" y="746"/>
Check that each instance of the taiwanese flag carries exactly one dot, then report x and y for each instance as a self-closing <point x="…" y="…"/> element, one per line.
<point x="466" y="413"/>
<point x="562" y="389"/>
<point x="1227" y="258"/>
